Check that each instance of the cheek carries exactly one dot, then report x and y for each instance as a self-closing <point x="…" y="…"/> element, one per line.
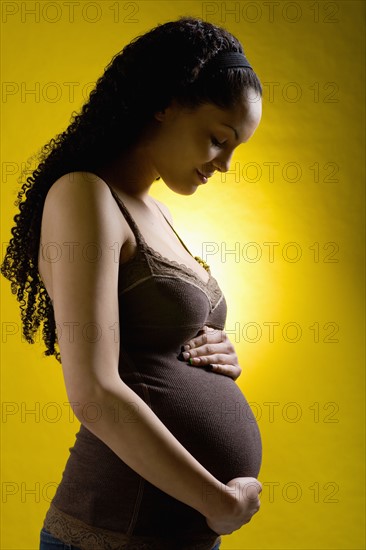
<point x="184" y="148"/>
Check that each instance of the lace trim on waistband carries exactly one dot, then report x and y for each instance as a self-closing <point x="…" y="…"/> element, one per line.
<point x="87" y="537"/>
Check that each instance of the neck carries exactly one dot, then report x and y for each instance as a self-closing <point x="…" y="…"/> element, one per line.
<point x="132" y="172"/>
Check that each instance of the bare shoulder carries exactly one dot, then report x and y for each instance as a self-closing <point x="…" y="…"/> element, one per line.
<point x="78" y="184"/>
<point x="87" y="195"/>
<point x="164" y="209"/>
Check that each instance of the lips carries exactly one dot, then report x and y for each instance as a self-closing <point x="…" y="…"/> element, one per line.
<point x="205" y="175"/>
<point x="202" y="178"/>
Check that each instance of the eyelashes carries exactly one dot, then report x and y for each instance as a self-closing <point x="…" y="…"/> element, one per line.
<point x="216" y="143"/>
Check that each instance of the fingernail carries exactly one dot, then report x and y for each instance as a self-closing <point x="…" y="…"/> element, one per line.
<point x="185" y="354"/>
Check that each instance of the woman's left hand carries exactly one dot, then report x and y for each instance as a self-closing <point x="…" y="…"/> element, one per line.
<point x="214" y="348"/>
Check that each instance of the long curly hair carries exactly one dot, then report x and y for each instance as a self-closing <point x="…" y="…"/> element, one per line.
<point x="165" y="63"/>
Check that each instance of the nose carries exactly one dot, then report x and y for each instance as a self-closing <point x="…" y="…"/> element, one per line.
<point x="222" y="162"/>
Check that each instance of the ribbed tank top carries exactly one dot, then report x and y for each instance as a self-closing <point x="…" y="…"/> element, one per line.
<point x="101" y="503"/>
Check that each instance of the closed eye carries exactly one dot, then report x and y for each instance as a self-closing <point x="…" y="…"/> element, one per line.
<point x="216" y="143"/>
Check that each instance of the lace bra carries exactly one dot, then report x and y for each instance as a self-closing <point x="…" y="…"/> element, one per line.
<point x="148" y="262"/>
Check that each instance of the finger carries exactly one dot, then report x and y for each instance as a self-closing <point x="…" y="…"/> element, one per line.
<point x="213" y="335"/>
<point x="207" y="328"/>
<point x="252" y="491"/>
<point x="228" y="370"/>
<point x="232" y="371"/>
<point x="211" y="349"/>
<point x="218" y="358"/>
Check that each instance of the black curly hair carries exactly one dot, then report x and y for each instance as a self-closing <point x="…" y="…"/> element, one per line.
<point x="165" y="63"/>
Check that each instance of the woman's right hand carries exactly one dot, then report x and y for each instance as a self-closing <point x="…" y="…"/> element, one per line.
<point x="245" y="503"/>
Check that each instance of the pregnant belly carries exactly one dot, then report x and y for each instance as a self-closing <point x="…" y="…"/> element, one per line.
<point x="207" y="412"/>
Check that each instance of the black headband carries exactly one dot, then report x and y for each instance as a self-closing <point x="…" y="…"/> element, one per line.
<point x="228" y="59"/>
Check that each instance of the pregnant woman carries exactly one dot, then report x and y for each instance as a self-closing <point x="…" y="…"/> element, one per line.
<point x="168" y="450"/>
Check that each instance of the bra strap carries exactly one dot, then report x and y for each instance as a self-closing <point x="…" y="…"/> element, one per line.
<point x="138" y="235"/>
<point x="174" y="229"/>
<point x="131" y="222"/>
<point x="197" y="258"/>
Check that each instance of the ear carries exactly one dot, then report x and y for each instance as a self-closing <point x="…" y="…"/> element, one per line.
<point x="168" y="110"/>
<point x="160" y="115"/>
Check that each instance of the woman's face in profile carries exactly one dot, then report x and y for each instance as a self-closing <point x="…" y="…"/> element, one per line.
<point x="203" y="140"/>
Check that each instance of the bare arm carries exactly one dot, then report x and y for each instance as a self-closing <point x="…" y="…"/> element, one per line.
<point x="81" y="210"/>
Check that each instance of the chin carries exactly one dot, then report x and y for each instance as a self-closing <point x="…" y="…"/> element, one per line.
<point x="183" y="189"/>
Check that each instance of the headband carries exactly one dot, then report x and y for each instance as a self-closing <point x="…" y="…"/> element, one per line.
<point x="228" y="59"/>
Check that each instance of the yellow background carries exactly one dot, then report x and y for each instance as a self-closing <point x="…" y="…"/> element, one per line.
<point x="299" y="182"/>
